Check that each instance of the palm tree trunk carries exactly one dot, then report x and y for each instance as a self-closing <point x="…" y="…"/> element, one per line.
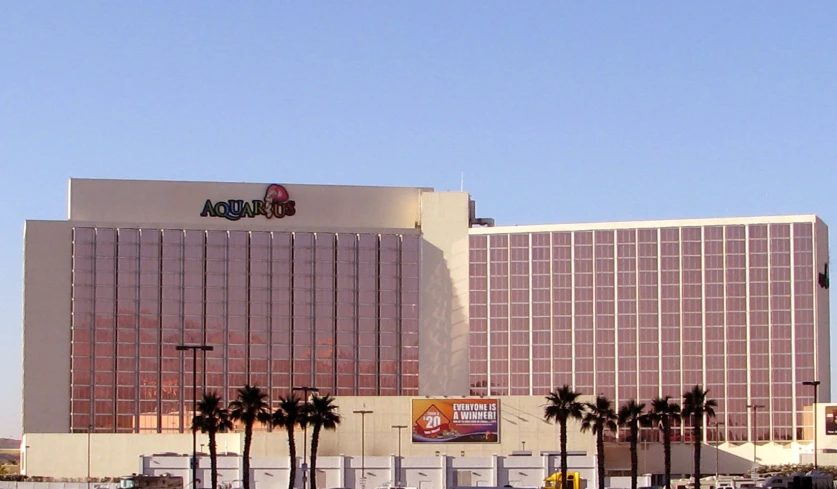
<point x="696" y="434"/>
<point x="667" y="450"/>
<point x="634" y="458"/>
<point x="315" y="445"/>
<point x="248" y="438"/>
<point x="292" y="452"/>
<point x="600" y="457"/>
<point x="213" y="459"/>
<point x="563" y="424"/>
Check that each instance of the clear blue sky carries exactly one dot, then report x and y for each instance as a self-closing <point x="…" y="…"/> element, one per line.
<point x="554" y="111"/>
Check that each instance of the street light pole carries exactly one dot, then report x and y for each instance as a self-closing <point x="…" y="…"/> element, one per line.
<point x="717" y="450"/>
<point x="755" y="408"/>
<point x="305" y="390"/>
<point x="194" y="349"/>
<point x="815" y="384"/>
<point x="363" y="413"/>
<point x="89" y="431"/>
<point x="399" y="427"/>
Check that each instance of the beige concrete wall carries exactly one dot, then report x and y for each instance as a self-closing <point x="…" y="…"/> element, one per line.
<point x="46" y="326"/>
<point x="729" y="459"/>
<point x="444" y="326"/>
<point x="66" y="454"/>
<point x="521" y="420"/>
<point x="142" y="202"/>
<point x="822" y="318"/>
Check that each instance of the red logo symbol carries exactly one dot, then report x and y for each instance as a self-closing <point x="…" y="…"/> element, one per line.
<point x="274" y="202"/>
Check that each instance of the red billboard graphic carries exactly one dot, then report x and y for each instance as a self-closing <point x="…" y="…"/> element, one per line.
<point x="456" y="421"/>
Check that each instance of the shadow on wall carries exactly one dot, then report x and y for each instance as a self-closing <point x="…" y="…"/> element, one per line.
<point x="514" y="415"/>
<point x="439" y="365"/>
<point x="651" y="459"/>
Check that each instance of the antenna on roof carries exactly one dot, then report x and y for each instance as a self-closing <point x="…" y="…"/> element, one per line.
<point x="462" y="181"/>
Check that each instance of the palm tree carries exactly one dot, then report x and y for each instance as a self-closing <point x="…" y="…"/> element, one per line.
<point x="212" y="418"/>
<point x="664" y="414"/>
<point x="696" y="404"/>
<point x="632" y="414"/>
<point x="598" y="417"/>
<point x="321" y="413"/>
<point x="289" y="414"/>
<point x="250" y="407"/>
<point x="562" y="406"/>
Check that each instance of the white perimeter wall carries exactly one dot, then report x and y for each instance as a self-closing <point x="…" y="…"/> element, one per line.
<point x="415" y="472"/>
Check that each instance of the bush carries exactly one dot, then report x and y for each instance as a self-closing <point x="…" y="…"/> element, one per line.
<point x="789" y="469"/>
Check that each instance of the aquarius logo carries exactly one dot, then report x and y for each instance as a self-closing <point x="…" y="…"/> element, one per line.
<point x="276" y="203"/>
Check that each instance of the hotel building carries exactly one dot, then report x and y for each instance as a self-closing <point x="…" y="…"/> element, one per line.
<point x="639" y="310"/>
<point x="382" y="294"/>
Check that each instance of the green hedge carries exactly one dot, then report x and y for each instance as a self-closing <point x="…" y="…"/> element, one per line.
<point x="789" y="469"/>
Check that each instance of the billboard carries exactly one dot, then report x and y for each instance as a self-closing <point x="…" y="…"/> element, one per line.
<point x="831" y="420"/>
<point x="456" y="420"/>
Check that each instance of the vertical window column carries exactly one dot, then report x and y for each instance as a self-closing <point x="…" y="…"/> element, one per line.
<point x="367" y="333"/>
<point x="670" y="280"/>
<point x="410" y="256"/>
<point x="541" y="307"/>
<point x="519" y="317"/>
<point x="346" y="314"/>
<point x="692" y="286"/>
<point x="804" y="280"/>
<point x="324" y="303"/>
<point x="736" y="333"/>
<point x="759" y="302"/>
<point x="781" y="335"/>
<point x="562" y="309"/>
<point x="233" y="246"/>
<point x="150" y="287"/>
<point x="104" y="335"/>
<point x="259" y="300"/>
<point x="172" y="362"/>
<point x="302" y="326"/>
<point x="626" y="319"/>
<point x="648" y="305"/>
<point x="214" y="369"/>
<point x="388" y="344"/>
<point x="478" y="348"/>
<point x="127" y="330"/>
<point x="584" y="311"/>
<point x="605" y="309"/>
<point x="194" y="300"/>
<point x="81" y="366"/>
<point x="498" y="310"/>
<point x="281" y="284"/>
<point x="715" y="341"/>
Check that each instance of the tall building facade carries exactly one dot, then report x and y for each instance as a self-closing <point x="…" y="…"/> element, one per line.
<point x="325" y="286"/>
<point x="645" y="309"/>
<point x="333" y="310"/>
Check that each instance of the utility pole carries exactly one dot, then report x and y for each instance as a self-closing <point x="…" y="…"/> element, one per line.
<point x="718" y="425"/>
<point x="755" y="408"/>
<point x="363" y="413"/>
<point x="399" y="427"/>
<point x="306" y="390"/>
<point x="194" y="348"/>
